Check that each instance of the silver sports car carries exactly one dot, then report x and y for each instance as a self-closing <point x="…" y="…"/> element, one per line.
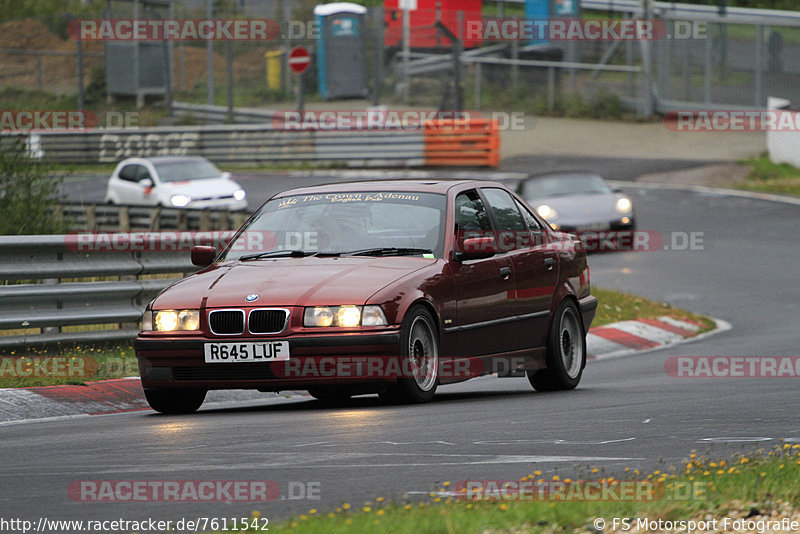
<point x="578" y="202"/>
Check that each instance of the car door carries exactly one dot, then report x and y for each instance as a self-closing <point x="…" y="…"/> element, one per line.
<point x="127" y="186"/>
<point x="149" y="194"/>
<point x="483" y="286"/>
<point x="535" y="266"/>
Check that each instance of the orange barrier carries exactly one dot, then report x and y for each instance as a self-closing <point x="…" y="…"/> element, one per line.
<point x="471" y="142"/>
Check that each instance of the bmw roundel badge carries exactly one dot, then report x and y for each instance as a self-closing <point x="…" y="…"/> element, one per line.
<point x="251" y="297"/>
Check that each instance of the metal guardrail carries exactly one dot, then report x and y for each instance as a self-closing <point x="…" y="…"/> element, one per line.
<point x="251" y="143"/>
<point x="39" y="296"/>
<point x="220" y="114"/>
<point x="255" y="143"/>
<point x="110" y="218"/>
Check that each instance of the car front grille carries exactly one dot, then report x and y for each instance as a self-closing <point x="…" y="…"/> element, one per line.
<point x="238" y="371"/>
<point x="267" y="321"/>
<point x="226" y="322"/>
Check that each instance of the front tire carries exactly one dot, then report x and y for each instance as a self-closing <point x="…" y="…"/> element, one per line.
<point x="566" y="351"/>
<point x="175" y="401"/>
<point x="419" y="349"/>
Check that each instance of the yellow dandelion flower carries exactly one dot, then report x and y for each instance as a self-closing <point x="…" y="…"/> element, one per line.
<point x="380" y="512"/>
<point x="504" y="507"/>
<point x="345" y="506"/>
<point x="312" y="511"/>
<point x="367" y="509"/>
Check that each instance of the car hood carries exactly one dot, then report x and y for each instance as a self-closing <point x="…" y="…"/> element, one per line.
<point x="198" y="189"/>
<point x="577" y="209"/>
<point x="289" y="282"/>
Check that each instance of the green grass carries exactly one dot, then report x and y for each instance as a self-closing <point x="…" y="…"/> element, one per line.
<point x="767" y="482"/>
<point x="615" y="306"/>
<point x="73" y="365"/>
<point x="768" y="177"/>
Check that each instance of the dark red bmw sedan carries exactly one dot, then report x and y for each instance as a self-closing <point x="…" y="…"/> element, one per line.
<point x="387" y="287"/>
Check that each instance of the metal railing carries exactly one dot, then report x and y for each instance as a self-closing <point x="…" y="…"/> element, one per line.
<point x="110" y="218"/>
<point x="50" y="284"/>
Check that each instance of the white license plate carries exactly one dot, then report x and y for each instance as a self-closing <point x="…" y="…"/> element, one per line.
<point x="594" y="227"/>
<point x="247" y="352"/>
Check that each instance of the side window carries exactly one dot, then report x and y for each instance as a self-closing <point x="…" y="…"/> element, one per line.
<point x="471" y="214"/>
<point x="504" y="209"/>
<point x="129" y="172"/>
<point x="513" y="233"/>
<point x="142" y="173"/>
<point x="533" y="225"/>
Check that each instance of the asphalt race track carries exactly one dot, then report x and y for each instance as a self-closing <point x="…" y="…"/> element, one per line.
<point x="627" y="412"/>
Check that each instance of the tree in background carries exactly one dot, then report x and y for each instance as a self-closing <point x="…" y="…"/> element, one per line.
<point x="29" y="193"/>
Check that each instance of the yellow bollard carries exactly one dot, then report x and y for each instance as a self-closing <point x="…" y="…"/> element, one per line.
<point x="273" y="59"/>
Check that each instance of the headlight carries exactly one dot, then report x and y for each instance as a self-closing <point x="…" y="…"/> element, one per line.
<point x="347" y="316"/>
<point x="546" y="212"/>
<point x="623" y="205"/>
<point x="180" y="201"/>
<point x="171" y="320"/>
<point x="239" y="194"/>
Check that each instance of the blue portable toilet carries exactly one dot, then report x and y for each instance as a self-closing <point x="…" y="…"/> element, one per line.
<point x="341" y="50"/>
<point x="541" y="10"/>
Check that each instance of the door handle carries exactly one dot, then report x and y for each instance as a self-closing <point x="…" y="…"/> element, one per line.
<point x="549" y="262"/>
<point x="505" y="272"/>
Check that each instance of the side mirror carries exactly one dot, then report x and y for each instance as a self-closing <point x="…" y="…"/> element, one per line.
<point x="476" y="248"/>
<point x="226" y="175"/>
<point x="146" y="182"/>
<point x="203" y="256"/>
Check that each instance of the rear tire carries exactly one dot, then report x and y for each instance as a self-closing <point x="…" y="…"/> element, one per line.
<point x="419" y="350"/>
<point x="175" y="401"/>
<point x="566" y="351"/>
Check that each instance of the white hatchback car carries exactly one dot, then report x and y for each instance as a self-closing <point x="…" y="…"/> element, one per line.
<point x="174" y="182"/>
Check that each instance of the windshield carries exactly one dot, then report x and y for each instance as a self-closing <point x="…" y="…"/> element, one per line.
<point x="564" y="184"/>
<point x="188" y="169"/>
<point x="407" y="223"/>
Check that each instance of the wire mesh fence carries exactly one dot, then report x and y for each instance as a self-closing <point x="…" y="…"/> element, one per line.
<point x="700" y="59"/>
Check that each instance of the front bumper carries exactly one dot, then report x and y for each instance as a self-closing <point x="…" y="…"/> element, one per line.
<point x="315" y="360"/>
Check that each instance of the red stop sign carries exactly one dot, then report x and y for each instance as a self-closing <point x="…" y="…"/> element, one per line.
<point x="299" y="59"/>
